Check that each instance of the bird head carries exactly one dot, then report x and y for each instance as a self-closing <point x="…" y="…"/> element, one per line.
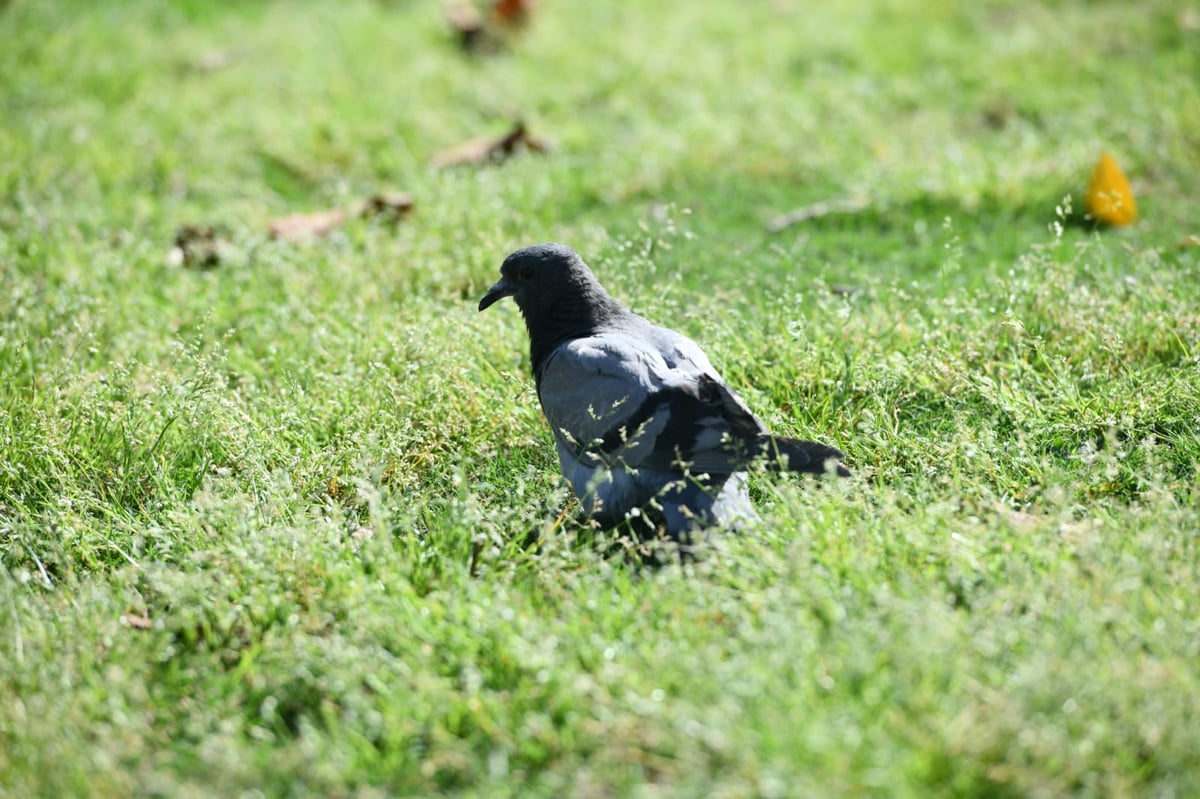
<point x="540" y="277"/>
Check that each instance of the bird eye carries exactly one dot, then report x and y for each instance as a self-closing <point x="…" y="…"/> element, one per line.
<point x="526" y="272"/>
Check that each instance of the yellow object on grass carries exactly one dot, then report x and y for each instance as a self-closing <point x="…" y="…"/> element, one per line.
<point x="1109" y="198"/>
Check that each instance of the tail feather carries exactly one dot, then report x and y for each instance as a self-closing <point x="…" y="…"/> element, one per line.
<point x="802" y="456"/>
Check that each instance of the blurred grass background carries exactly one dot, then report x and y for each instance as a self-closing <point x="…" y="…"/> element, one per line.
<point x="260" y="523"/>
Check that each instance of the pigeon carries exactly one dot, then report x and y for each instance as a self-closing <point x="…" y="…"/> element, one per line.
<point x="645" y="428"/>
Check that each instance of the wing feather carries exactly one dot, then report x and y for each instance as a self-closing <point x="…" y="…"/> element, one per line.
<point x="646" y="402"/>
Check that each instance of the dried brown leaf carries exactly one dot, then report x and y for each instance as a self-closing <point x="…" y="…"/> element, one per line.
<point x="299" y="227"/>
<point x="512" y="12"/>
<point x="138" y="621"/>
<point x="196" y="247"/>
<point x="489" y="149"/>
<point x="302" y="227"/>
<point x="391" y="205"/>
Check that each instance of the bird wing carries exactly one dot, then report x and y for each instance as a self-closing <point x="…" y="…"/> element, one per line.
<point x="646" y="399"/>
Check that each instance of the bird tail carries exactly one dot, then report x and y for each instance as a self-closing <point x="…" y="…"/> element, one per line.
<point x="794" y="455"/>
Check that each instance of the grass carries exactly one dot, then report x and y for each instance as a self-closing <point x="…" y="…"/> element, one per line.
<point x="261" y="525"/>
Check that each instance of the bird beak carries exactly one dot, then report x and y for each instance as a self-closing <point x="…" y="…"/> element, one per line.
<point x="502" y="289"/>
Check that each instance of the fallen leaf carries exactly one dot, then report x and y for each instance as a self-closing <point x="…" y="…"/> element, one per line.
<point x="301" y="227"/>
<point x="512" y="12"/>
<point x="298" y="227"/>
<point x="392" y="205"/>
<point x="846" y="205"/>
<point x="195" y="247"/>
<point x="1189" y="242"/>
<point x="138" y="621"/>
<point x="1109" y="198"/>
<point x="489" y="149"/>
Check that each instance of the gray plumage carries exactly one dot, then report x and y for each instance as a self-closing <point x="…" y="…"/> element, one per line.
<point x="643" y="424"/>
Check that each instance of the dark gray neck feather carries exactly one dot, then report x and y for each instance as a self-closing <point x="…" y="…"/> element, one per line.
<point x="576" y="315"/>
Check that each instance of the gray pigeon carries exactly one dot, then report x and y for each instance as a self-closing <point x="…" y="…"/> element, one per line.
<point x="644" y="426"/>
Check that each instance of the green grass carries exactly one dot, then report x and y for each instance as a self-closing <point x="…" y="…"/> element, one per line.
<point x="260" y="526"/>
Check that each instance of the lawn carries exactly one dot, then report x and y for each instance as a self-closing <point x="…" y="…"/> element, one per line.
<point x="264" y="499"/>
